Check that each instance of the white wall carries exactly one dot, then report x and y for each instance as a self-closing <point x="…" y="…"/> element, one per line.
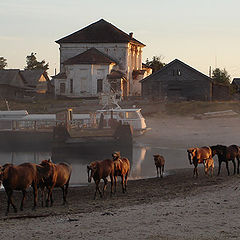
<point x="84" y="79"/>
<point x="127" y="55"/>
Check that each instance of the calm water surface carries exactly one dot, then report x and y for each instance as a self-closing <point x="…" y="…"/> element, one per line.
<point x="141" y="158"/>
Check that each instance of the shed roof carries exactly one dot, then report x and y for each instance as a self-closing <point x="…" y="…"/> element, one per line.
<point x="155" y="74"/>
<point x="91" y="56"/>
<point x="32" y="76"/>
<point x="11" y="77"/>
<point x="99" y="32"/>
<point x="236" y="81"/>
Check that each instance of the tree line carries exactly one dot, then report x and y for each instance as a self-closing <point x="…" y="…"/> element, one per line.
<point x="218" y="75"/>
<point x="31" y="63"/>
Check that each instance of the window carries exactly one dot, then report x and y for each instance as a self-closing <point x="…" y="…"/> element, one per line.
<point x="62" y="88"/>
<point x="99" y="85"/>
<point x="71" y="85"/>
<point x="179" y="72"/>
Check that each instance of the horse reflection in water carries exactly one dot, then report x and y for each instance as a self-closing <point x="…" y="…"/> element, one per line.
<point x="201" y="155"/>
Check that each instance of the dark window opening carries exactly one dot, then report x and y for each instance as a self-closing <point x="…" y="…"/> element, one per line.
<point x="62" y="87"/>
<point x="71" y="85"/>
<point x="99" y="85"/>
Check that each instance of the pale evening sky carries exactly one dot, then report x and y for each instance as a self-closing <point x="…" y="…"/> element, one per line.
<point x="201" y="33"/>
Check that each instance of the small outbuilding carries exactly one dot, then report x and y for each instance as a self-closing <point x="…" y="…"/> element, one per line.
<point x="177" y="81"/>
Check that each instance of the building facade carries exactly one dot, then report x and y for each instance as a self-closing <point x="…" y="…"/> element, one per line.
<point x="90" y="57"/>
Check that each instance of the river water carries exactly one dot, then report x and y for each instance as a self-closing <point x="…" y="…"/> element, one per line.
<point x="140" y="156"/>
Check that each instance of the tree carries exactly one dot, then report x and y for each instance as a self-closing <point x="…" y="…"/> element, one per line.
<point x="3" y="62"/>
<point x="221" y="76"/>
<point x="33" y="64"/>
<point x="156" y="63"/>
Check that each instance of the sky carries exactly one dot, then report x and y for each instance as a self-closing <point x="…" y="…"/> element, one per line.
<point x="201" y="33"/>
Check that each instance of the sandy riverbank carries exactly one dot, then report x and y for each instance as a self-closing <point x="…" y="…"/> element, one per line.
<point x="175" y="207"/>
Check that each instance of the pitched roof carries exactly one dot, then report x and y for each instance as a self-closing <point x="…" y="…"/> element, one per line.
<point x="61" y="75"/>
<point x="32" y="76"/>
<point x="170" y="64"/>
<point x="236" y="81"/>
<point x="11" y="77"/>
<point x="99" y="32"/>
<point x="91" y="56"/>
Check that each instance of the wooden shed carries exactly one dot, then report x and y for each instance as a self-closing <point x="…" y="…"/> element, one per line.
<point x="177" y="81"/>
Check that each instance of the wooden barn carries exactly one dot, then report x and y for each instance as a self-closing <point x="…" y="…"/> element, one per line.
<point x="12" y="84"/>
<point x="177" y="81"/>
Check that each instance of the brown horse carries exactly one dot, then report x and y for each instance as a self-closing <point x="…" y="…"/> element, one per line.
<point x="226" y="154"/>
<point x="199" y="155"/>
<point x="60" y="175"/>
<point x="20" y="177"/>
<point x="159" y="163"/>
<point x="101" y="170"/>
<point x="121" y="168"/>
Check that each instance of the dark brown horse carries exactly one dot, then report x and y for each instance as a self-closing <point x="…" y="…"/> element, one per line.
<point x="20" y="177"/>
<point x="60" y="175"/>
<point x="199" y="155"/>
<point x="226" y="154"/>
<point x="159" y="163"/>
<point x="101" y="170"/>
<point x="122" y="169"/>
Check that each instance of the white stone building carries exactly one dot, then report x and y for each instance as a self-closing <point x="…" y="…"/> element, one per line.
<point x="99" y="58"/>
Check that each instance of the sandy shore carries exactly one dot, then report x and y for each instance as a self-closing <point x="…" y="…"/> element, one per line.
<point x="175" y="207"/>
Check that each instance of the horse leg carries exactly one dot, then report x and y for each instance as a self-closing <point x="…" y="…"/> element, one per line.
<point x="122" y="177"/>
<point x="42" y="195"/>
<point x="23" y="198"/>
<point x="97" y="189"/>
<point x="66" y="191"/>
<point x="237" y="164"/>
<point x="9" y="193"/>
<point x="126" y="177"/>
<point x="161" y="171"/>
<point x="227" y="167"/>
<point x="105" y="185"/>
<point x="115" y="183"/>
<point x="34" y="186"/>
<point x="219" y="166"/>
<point x="111" y="177"/>
<point x="196" y="172"/>
<point x="234" y="165"/>
<point x="157" y="171"/>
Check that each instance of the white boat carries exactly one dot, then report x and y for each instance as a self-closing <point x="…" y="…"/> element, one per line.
<point x="129" y="116"/>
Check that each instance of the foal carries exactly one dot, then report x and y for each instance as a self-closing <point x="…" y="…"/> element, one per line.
<point x="159" y="163"/>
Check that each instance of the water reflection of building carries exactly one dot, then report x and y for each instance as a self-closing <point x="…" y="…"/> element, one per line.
<point x="139" y="154"/>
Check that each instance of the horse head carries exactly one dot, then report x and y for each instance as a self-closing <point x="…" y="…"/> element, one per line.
<point x="91" y="169"/>
<point x="192" y="152"/>
<point x="116" y="155"/>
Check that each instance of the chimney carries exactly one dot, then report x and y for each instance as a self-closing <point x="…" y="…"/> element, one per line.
<point x="131" y="34"/>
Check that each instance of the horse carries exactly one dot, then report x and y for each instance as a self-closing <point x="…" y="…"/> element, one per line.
<point x="60" y="175"/>
<point x="226" y="154"/>
<point x="199" y="155"/>
<point x="20" y="177"/>
<point x="101" y="170"/>
<point x="159" y="163"/>
<point x="121" y="168"/>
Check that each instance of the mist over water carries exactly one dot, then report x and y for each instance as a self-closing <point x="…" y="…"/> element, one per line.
<point x="140" y="156"/>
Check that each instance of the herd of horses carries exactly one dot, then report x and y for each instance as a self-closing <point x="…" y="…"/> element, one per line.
<point x="205" y="156"/>
<point x="47" y="175"/>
